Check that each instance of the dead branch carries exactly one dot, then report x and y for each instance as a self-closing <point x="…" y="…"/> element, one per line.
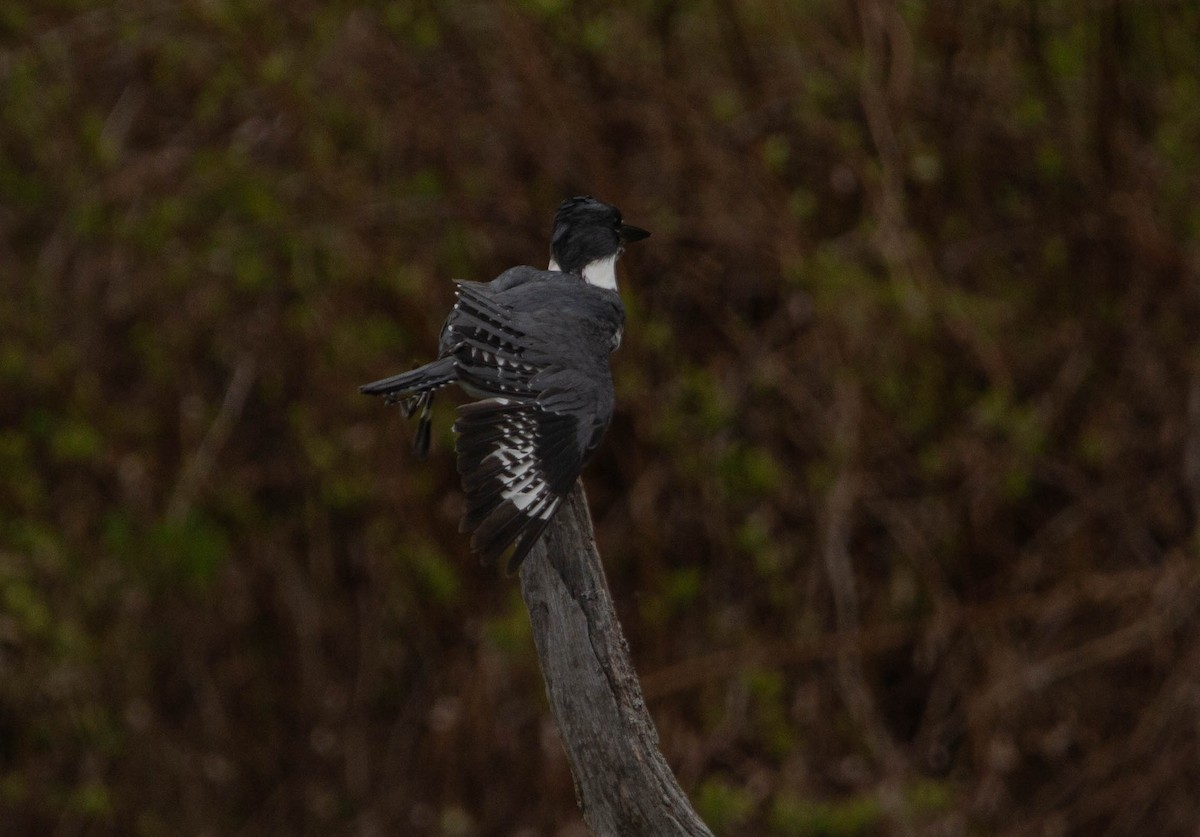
<point x="622" y="782"/>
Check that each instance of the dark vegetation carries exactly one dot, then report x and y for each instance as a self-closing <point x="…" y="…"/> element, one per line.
<point x="900" y="504"/>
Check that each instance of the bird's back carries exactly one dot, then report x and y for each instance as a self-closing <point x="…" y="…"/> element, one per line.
<point x="553" y="310"/>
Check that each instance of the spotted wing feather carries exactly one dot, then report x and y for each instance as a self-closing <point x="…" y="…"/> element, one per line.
<point x="487" y="347"/>
<point x="517" y="462"/>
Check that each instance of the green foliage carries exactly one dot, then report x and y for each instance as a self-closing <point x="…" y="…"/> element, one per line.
<point x="861" y="814"/>
<point x="792" y="816"/>
<point x="436" y="577"/>
<point x="510" y="631"/>
<point x="681" y="591"/>
<point x="769" y="700"/>
<point x="749" y="473"/>
<point x="723" y="806"/>
<point x="26" y="608"/>
<point x="190" y="552"/>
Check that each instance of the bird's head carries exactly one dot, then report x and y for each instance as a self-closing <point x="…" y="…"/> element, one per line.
<point x="588" y="237"/>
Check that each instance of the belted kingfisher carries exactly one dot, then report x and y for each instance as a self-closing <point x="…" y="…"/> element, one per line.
<point x="533" y="345"/>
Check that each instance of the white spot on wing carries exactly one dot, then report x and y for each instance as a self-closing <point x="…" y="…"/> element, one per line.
<point x="523" y="483"/>
<point x="518" y="472"/>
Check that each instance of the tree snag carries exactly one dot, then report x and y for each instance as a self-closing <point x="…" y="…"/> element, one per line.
<point x="622" y="782"/>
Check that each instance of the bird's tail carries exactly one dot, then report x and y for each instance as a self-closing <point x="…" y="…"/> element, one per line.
<point x="425" y="378"/>
<point x="413" y="391"/>
<point x="422" y="405"/>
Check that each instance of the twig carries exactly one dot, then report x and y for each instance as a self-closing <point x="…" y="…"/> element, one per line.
<point x="210" y="446"/>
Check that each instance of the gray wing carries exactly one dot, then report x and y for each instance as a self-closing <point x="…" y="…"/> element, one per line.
<point x="539" y="357"/>
<point x="414" y="391"/>
<point x="488" y="292"/>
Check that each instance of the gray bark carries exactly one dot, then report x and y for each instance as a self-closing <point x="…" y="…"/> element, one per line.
<point x="622" y="783"/>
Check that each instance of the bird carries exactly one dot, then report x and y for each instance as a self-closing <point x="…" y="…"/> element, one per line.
<point x="532" y="347"/>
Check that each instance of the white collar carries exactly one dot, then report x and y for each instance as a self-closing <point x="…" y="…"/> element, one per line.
<point x="602" y="273"/>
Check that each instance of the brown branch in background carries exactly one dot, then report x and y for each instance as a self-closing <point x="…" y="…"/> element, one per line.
<point x="883" y="28"/>
<point x="1127" y="799"/>
<point x="202" y="461"/>
<point x="622" y="782"/>
<point x="737" y="47"/>
<point x="1191" y="455"/>
<point x="1111" y="591"/>
<point x="835" y="552"/>
<point x="1040" y="675"/>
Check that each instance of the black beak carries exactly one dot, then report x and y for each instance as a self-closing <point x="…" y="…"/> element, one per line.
<point x="630" y="233"/>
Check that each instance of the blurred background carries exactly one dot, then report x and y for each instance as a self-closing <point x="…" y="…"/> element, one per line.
<point x="899" y="506"/>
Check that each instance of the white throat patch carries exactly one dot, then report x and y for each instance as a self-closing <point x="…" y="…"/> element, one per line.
<point x="602" y="273"/>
